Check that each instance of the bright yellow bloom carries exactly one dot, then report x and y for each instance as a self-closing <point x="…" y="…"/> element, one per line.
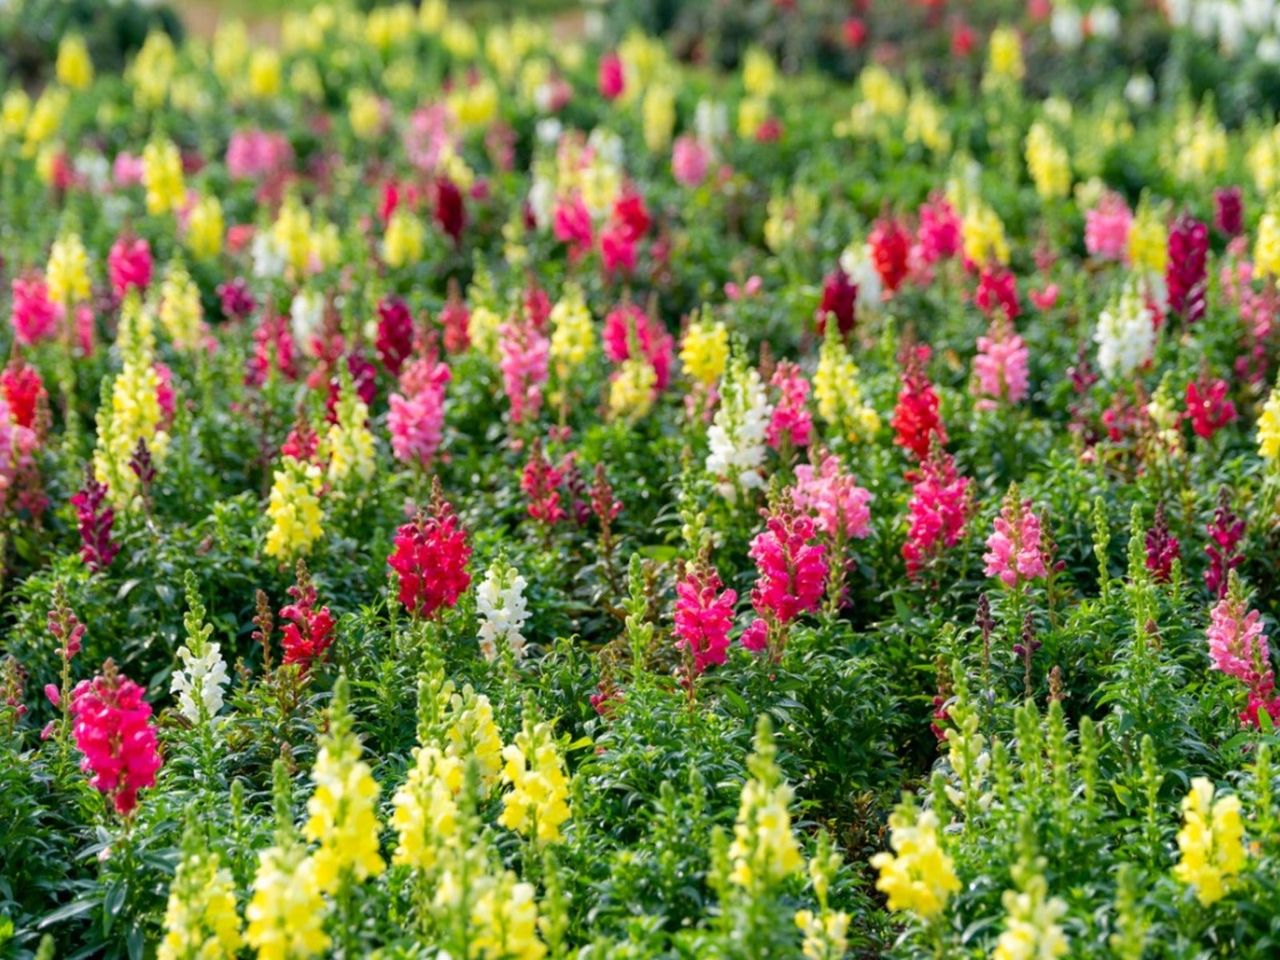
<point x="1004" y="56"/>
<point x="482" y="330"/>
<point x="1031" y="930"/>
<point x="162" y="176"/>
<point x="459" y="38"/>
<point x="764" y="851"/>
<point x="659" y="117"/>
<point x="181" y="314"/>
<point x="364" y="110"/>
<point x="759" y="75"/>
<point x="1269" y="428"/>
<point x="425" y="813"/>
<point x="152" y="70"/>
<point x="230" y="50"/>
<point x="74" y="68"/>
<point x="389" y="25"/>
<point x="631" y="392"/>
<point x="752" y="113"/>
<point x="1048" y="163"/>
<point x="342" y="813"/>
<point x="982" y="232"/>
<point x="304" y="80"/>
<point x="205" y="228"/>
<point x="926" y="123"/>
<point x="14" y="112"/>
<point x="294" y="510"/>
<point x="826" y="937"/>
<point x="45" y="119"/>
<point x="67" y="273"/>
<point x="837" y="392"/>
<point x="200" y="919"/>
<point x="573" y="334"/>
<point x="286" y="915"/>
<point x="643" y="57"/>
<point x="264" y="73"/>
<point x="918" y="876"/>
<point x="537" y="804"/>
<point x="133" y="413"/>
<point x="504" y="922"/>
<point x="1148" y="241"/>
<point x="432" y="16"/>
<point x="402" y="241"/>
<point x="472" y="733"/>
<point x="705" y="350"/>
<point x="1266" y="245"/>
<point x="1211" y="842"/>
<point x="349" y="443"/>
<point x="474" y="105"/>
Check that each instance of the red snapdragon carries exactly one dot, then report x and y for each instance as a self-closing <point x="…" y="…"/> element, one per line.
<point x="430" y="560"/>
<point x="112" y="726"/>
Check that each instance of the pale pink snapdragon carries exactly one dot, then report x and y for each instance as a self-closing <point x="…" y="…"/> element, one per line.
<point x="1106" y="228"/>
<point x="1000" y="367"/>
<point x="416" y="416"/>
<point x="791" y="422"/>
<point x="525" y="364"/>
<point x="1015" y="553"/>
<point x="833" y="498"/>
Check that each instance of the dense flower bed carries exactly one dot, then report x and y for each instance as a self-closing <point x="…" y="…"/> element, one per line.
<point x="479" y="494"/>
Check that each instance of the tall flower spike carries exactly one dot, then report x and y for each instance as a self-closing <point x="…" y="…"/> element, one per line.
<point x="703" y="617"/>
<point x="538" y="803"/>
<point x="1211" y="842"/>
<point x="736" y="438"/>
<point x="430" y="560"/>
<point x="1015" y="553"/>
<point x="198" y="683"/>
<point x="916" y="422"/>
<point x="307" y="632"/>
<point x="113" y="730"/>
<point x="764" y="852"/>
<point x="919" y="876"/>
<point x="501" y="605"/>
<point x="792" y="572"/>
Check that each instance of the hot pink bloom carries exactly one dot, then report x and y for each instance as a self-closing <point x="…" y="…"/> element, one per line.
<point x="33" y="315"/>
<point x="833" y="498"/>
<point x="937" y="511"/>
<point x="1045" y="298"/>
<point x="571" y="225"/>
<point x="524" y="365"/>
<point x="164" y="393"/>
<point x="1237" y="645"/>
<point x="791" y="422"/>
<point x="792" y="575"/>
<point x="1208" y="407"/>
<point x="703" y="617"/>
<point x="455" y="318"/>
<point x="617" y="249"/>
<point x="84" y="329"/>
<point x="627" y="326"/>
<point x="430" y="559"/>
<point x="112" y="728"/>
<point x="127" y="170"/>
<point x="939" y="235"/>
<point x="997" y="293"/>
<point x="1106" y="228"/>
<point x="689" y="160"/>
<point x="1000" y="367"/>
<point x="1014" y="552"/>
<point x="612" y="77"/>
<point x="255" y="154"/>
<point x="416" y="417"/>
<point x="129" y="265"/>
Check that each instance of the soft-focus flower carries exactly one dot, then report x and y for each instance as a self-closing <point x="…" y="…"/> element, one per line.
<point x="838" y="394"/>
<point x="1048" y="162"/>
<point x="1225" y="532"/>
<point x="286" y="916"/>
<point x="1106" y="228"/>
<point x="937" y="510"/>
<point x="736" y="439"/>
<point x="525" y="364"/>
<point x="95" y="518"/>
<point x="791" y="424"/>
<point x="1004" y="56"/>
<point x="1126" y="333"/>
<point x="112" y="726"/>
<point x="916" y="422"/>
<point x="293" y="508"/>
<point x="1211" y="842"/>
<point x="74" y="66"/>
<point x="200" y="920"/>
<point x="67" y="272"/>
<point x="205" y="228"/>
<point x="1208" y="407"/>
<point x="1185" y="275"/>
<point x="416" y="417"/>
<point x="1269" y="428"/>
<point x="1031" y="929"/>
<point x="690" y="158"/>
<point x="162" y="177"/>
<point x="1000" y="367"/>
<point x="34" y="314"/>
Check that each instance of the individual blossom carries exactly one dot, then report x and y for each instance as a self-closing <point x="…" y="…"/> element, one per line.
<point x="997" y="293"/>
<point x="206" y="228"/>
<point x="1226" y="531"/>
<point x="181" y="312"/>
<point x="1015" y="553"/>
<point x="703" y="617"/>
<point x="67" y="272"/>
<point x="839" y="301"/>
<point x="1106" y="228"/>
<point x="113" y="730"/>
<point x="200" y="919"/>
<point x="1031" y="929"/>
<point x="916" y="421"/>
<point x="573" y="335"/>
<point x="537" y="805"/>
<point x="95" y="517"/>
<point x="1148" y="248"/>
<point x="306" y="631"/>
<point x="293" y="508"/>
<point x="936" y="512"/>
<point x="791" y="568"/>
<point x="348" y="444"/>
<point x="503" y="610"/>
<point x="736" y="438"/>
<point x="540" y="481"/>
<point x="919" y="877"/>
<point x="833" y="498"/>
<point x="342" y="814"/>
<point x="1210" y="843"/>
<point x="690" y="159"/>
<point x="525" y="363"/>
<point x="631" y="389"/>
<point x="1186" y="274"/>
<point x="472" y="734"/>
<point x="129" y="265"/>
<point x="1000" y="367"/>
<point x="504" y="920"/>
<point x="629" y="333"/>
<point x="430" y="560"/>
<point x="704" y="351"/>
<point x="416" y="416"/>
<point x="1048" y="162"/>
<point x="938" y="235"/>
<point x="402" y="242"/>
<point x="33" y="314"/>
<point x="764" y="852"/>
<point x="285" y="917"/>
<point x="394" y="341"/>
<point x="1228" y="211"/>
<point x="1126" y="333"/>
<point x="790" y="424"/>
<point x="1208" y="407"/>
<point x="1162" y="546"/>
<point x="1237" y="644"/>
<point x="74" y="66"/>
<point x="984" y="240"/>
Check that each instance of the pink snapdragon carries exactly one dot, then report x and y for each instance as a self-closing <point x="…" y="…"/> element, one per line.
<point x="937" y="511"/>
<point x="34" y="316"/>
<point x="1106" y="228"/>
<point x="791" y="423"/>
<point x="938" y="236"/>
<point x="627" y="327"/>
<point x="112" y="726"/>
<point x="703" y="616"/>
<point x="416" y="416"/>
<point x="1237" y="644"/>
<point x="792" y="572"/>
<point x="256" y="154"/>
<point x="525" y="365"/>
<point x="540" y="480"/>
<point x="833" y="498"/>
<point x="129" y="265"/>
<point x="1000" y="366"/>
<point x="1015" y="553"/>
<point x="689" y="160"/>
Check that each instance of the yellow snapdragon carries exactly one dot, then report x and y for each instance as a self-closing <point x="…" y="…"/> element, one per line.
<point x="1211" y="842"/>
<point x="205" y="228"/>
<point x="764" y="851"/>
<point x="837" y="392"/>
<point x="67" y="272"/>
<point x="162" y="176"/>
<point x="573" y="334"/>
<point x="1048" y="163"/>
<point x="983" y="236"/>
<point x="285" y="918"/>
<point x="919" y="876"/>
<point x="402" y="242"/>
<point x="294" y="510"/>
<point x="472" y="733"/>
<point x="74" y="66"/>
<point x="537" y="804"/>
<point x="1269" y="428"/>
<point x="705" y="350"/>
<point x="1148" y="241"/>
<point x="631" y="391"/>
<point x="181" y="314"/>
<point x="200" y="920"/>
<point x="425" y="807"/>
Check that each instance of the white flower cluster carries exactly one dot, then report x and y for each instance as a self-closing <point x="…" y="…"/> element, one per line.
<point x="1233" y="23"/>
<point x="1126" y="333"/>
<point x="736" y="436"/>
<point x="200" y="681"/>
<point x="503" y="611"/>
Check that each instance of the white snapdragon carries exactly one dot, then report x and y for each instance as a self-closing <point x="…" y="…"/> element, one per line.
<point x="503" y="610"/>
<point x="1126" y="333"/>
<point x="200" y="681"/>
<point x="737" y="435"/>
